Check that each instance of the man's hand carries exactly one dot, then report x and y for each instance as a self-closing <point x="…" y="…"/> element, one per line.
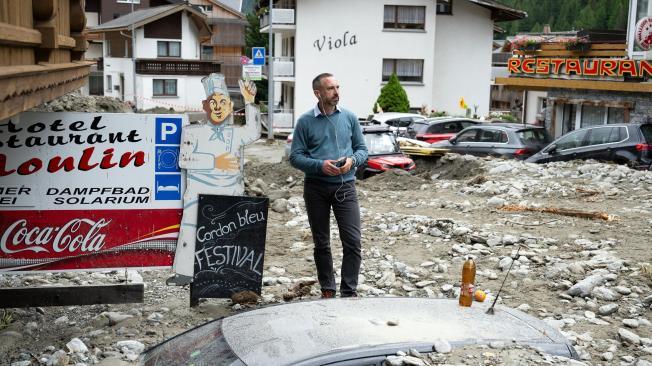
<point x="347" y="166"/>
<point x="227" y="161"/>
<point x="248" y="90"/>
<point x="329" y="167"/>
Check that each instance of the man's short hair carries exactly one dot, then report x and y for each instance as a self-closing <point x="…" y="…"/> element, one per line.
<point x="316" y="82"/>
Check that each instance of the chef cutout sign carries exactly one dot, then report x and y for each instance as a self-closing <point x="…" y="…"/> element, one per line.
<point x="211" y="154"/>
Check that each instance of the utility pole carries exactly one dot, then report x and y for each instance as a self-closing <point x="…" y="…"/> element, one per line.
<point x="270" y="77"/>
<point x="133" y="55"/>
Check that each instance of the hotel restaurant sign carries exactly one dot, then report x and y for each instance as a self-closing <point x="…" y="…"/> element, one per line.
<point x="605" y="68"/>
<point x="83" y="191"/>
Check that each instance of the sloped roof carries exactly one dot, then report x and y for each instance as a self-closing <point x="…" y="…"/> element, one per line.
<point x="500" y="12"/>
<point x="144" y="16"/>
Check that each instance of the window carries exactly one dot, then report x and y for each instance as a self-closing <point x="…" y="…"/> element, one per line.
<point x="206" y="8"/>
<point x="572" y="140"/>
<point x="405" y="70"/>
<point x="129" y="1"/>
<point x="404" y="17"/>
<point x="493" y="136"/>
<point x="169" y="49"/>
<point x="605" y="135"/>
<point x="420" y="127"/>
<point x="643" y="9"/>
<point x="616" y="115"/>
<point x="534" y="136"/>
<point x="165" y="87"/>
<point x="592" y="116"/>
<point x="107" y="44"/>
<point x="445" y="7"/>
<point x="109" y="83"/>
<point x="468" y="136"/>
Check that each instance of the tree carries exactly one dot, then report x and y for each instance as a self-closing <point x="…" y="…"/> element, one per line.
<point x="253" y="38"/>
<point x="393" y="97"/>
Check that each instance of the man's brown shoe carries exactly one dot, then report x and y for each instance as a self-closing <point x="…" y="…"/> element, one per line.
<point x="327" y="294"/>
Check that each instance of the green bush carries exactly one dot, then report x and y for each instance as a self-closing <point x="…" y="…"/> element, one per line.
<point x="393" y="97"/>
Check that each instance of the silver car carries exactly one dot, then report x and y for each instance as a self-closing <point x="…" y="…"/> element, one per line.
<point x="351" y="331"/>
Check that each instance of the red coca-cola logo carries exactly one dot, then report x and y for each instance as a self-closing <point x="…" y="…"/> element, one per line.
<point x="77" y="235"/>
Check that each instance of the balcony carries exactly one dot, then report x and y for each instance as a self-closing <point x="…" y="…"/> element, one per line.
<point x="283" y="67"/>
<point x="176" y="67"/>
<point x="284" y="20"/>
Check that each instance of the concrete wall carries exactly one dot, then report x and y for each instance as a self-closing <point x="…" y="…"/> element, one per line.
<point x="358" y="67"/>
<point x="462" y="59"/>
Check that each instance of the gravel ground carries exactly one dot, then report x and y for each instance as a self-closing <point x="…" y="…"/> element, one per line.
<point x="590" y="278"/>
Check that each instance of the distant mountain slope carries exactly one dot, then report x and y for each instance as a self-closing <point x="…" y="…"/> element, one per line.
<point x="567" y="15"/>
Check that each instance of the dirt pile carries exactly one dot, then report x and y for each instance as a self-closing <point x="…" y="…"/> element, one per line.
<point x="450" y="166"/>
<point x="75" y="102"/>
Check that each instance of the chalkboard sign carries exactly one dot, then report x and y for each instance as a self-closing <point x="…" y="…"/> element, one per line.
<point x="229" y="246"/>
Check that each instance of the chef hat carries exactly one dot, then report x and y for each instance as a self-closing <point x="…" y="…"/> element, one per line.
<point x="214" y="83"/>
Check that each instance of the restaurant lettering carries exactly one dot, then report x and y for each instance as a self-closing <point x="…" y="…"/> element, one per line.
<point x="58" y="133"/>
<point x="581" y="67"/>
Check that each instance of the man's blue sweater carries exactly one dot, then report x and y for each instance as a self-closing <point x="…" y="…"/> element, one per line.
<point x="318" y="138"/>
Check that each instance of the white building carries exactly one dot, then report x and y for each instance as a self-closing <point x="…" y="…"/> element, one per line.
<point x="439" y="49"/>
<point x="166" y="62"/>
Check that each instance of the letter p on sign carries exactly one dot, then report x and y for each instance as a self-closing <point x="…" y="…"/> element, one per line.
<point x="168" y="131"/>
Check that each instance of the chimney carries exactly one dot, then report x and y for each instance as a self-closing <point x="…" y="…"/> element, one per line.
<point x="546" y="28"/>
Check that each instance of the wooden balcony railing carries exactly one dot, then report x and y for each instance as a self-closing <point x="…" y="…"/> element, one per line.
<point x="176" y="67"/>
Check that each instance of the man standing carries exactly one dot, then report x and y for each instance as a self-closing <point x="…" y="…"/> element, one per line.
<point x="327" y="146"/>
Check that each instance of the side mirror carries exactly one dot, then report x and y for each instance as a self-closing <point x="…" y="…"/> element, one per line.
<point x="453" y="140"/>
<point x="552" y="149"/>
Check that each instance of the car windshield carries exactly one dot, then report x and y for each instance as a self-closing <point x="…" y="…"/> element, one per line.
<point x="419" y="127"/>
<point x="380" y="143"/>
<point x="201" y="346"/>
<point x="647" y="133"/>
<point x="534" y="136"/>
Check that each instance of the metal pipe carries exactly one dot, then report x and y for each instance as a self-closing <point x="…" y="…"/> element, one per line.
<point x="133" y="55"/>
<point x="270" y="76"/>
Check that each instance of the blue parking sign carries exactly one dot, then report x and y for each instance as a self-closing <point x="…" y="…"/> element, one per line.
<point x="168" y="130"/>
<point x="258" y="55"/>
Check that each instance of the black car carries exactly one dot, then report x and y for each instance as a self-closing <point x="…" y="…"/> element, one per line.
<point x="509" y="140"/>
<point x="622" y="143"/>
<point x="437" y="129"/>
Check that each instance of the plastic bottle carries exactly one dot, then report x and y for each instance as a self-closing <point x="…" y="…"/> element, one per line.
<point x="468" y="278"/>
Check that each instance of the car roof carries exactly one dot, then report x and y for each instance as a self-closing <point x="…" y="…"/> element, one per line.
<point x="382" y="117"/>
<point x="298" y="332"/>
<point x="375" y="129"/>
<point x="449" y="119"/>
<point x="516" y="127"/>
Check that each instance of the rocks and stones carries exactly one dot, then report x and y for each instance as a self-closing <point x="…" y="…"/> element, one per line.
<point x="130" y="345"/>
<point x="505" y="263"/>
<point x="608" y="309"/>
<point x="629" y="337"/>
<point x="58" y="358"/>
<point x="584" y="287"/>
<point x="442" y="346"/>
<point x="631" y="323"/>
<point x="76" y="346"/>
<point x="116" y="317"/>
<point x="603" y="293"/>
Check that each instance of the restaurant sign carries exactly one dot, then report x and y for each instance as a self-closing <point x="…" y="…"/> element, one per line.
<point x="582" y="67"/>
<point x="89" y="190"/>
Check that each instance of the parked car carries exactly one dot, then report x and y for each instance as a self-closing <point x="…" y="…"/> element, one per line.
<point x="438" y="129"/>
<point x="397" y="122"/>
<point x="498" y="139"/>
<point x="622" y="143"/>
<point x="351" y="331"/>
<point x="384" y="153"/>
<point x="288" y="145"/>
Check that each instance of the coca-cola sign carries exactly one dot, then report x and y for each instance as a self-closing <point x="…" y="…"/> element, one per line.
<point x="76" y="235"/>
<point x="89" y="191"/>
